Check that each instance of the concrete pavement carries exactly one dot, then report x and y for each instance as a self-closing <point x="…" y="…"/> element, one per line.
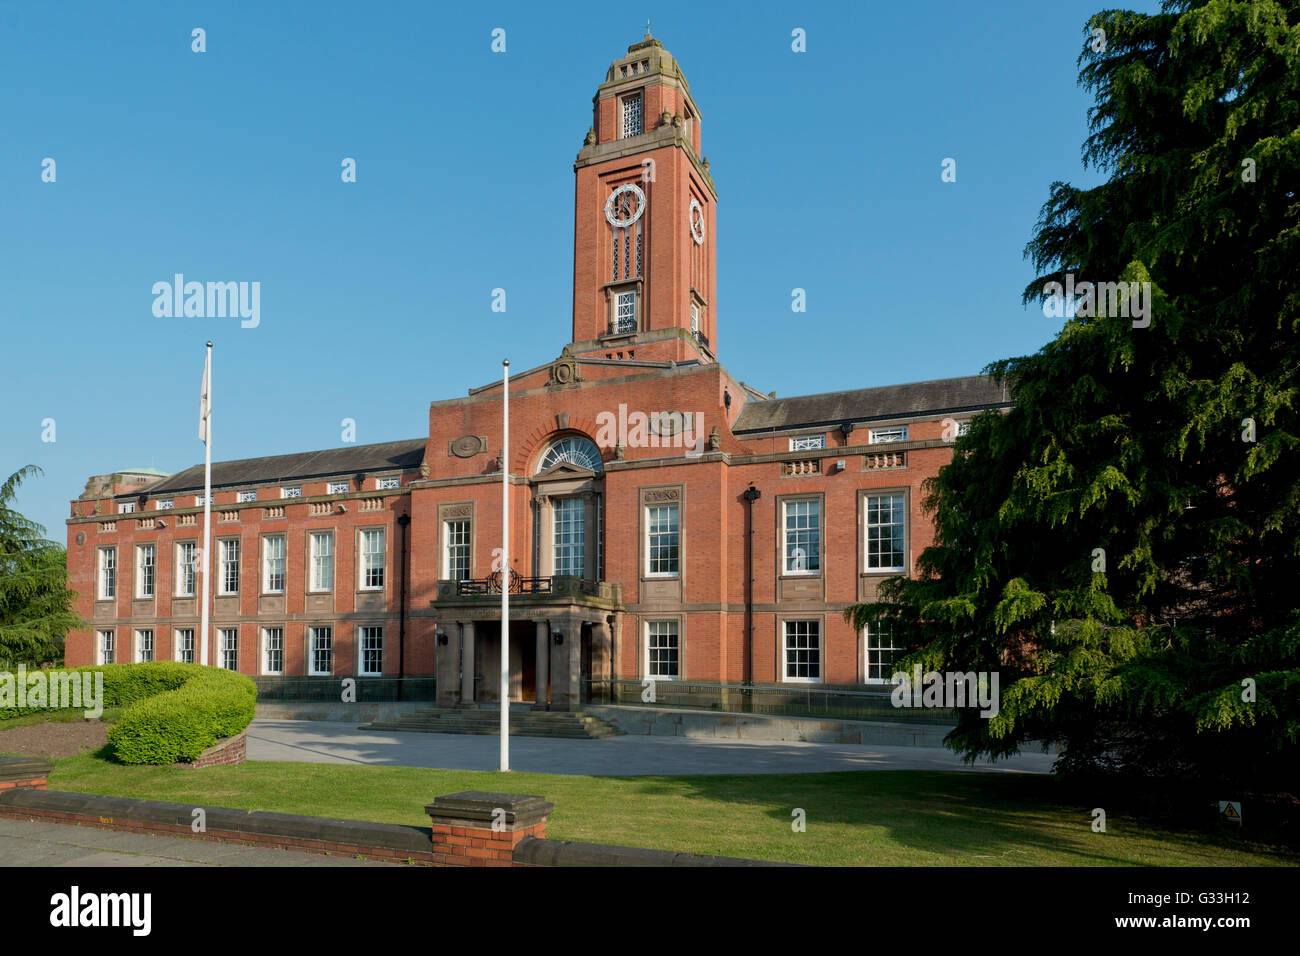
<point x="319" y="741"/>
<point x="36" y="843"/>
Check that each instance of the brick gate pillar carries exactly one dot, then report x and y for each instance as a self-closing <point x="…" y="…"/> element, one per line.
<point x="479" y="828"/>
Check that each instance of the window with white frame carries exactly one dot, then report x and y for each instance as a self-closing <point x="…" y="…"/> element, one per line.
<point x="876" y="436"/>
<point x="200" y="500"/>
<point x="391" y="481"/>
<point x="106" y="652"/>
<point x="272" y="650"/>
<point x="625" y="320"/>
<point x="126" y="508"/>
<point x="246" y="495"/>
<point x="371" y="646"/>
<point x="663" y="544"/>
<point x="228" y="648"/>
<point x="803" y="527"/>
<point x="570" y="536"/>
<point x="633" y="124"/>
<point x="803" y="651"/>
<point x="338" y="487"/>
<point x="807" y="442"/>
<point x="886" y="527"/>
<point x="320" y="651"/>
<point x="322" y="560"/>
<point x="165" y="504"/>
<point x="228" y="580"/>
<point x="143" y="646"/>
<point x="107" y="573"/>
<point x="187" y="556"/>
<point x="456" y="549"/>
<point x="963" y="426"/>
<point x="695" y="319"/>
<point x="185" y="645"/>
<point x="273" y="564"/>
<point x="144" y="570"/>
<point x="663" y="650"/>
<point x="372" y="559"/>
<point x="291" y="491"/>
<point x="879" y="653"/>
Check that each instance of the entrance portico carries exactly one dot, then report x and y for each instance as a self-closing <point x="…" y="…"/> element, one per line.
<point x="562" y="635"/>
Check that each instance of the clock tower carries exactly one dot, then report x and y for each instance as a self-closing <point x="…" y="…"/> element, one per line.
<point x="644" y="280"/>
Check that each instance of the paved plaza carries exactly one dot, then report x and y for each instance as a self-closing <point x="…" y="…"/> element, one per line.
<point x="320" y="741"/>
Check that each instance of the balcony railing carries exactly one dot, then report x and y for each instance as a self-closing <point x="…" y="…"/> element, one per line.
<point x="559" y="585"/>
<point x="492" y="584"/>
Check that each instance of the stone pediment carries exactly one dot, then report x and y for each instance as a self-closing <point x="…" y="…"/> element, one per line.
<point x="563" y="470"/>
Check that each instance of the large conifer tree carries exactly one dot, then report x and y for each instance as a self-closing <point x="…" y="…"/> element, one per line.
<point x="1123" y="546"/>
<point x="35" y="604"/>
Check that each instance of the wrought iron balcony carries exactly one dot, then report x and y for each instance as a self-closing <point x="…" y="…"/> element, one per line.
<point x="558" y="586"/>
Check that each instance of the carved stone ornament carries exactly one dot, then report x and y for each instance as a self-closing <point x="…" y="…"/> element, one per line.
<point x="457" y="511"/>
<point x="81" y="538"/>
<point x="663" y="494"/>
<point x="467" y="446"/>
<point x="591" y="138"/>
<point x="620" y="453"/>
<point x="425" y="470"/>
<point x="715" y="442"/>
<point x="564" y="370"/>
<point x="668" y="424"/>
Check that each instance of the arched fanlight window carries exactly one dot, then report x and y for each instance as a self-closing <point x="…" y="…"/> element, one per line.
<point x="575" y="450"/>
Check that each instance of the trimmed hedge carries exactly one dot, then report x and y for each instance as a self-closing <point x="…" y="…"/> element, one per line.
<point x="203" y="705"/>
<point x="172" y="712"/>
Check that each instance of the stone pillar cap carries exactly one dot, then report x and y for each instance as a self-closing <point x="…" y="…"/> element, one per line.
<point x="519" y="808"/>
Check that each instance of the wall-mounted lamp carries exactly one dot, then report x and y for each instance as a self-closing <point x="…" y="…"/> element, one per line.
<point x="342" y="508"/>
<point x="160" y="523"/>
<point x="441" y="635"/>
<point x="846" y="430"/>
<point x="557" y="637"/>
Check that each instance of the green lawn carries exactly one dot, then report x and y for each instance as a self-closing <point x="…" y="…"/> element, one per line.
<point x="887" y="818"/>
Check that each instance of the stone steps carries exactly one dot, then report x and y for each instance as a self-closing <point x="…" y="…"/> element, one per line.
<point x="577" y="726"/>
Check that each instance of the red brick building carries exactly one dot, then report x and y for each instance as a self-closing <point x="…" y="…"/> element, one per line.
<point x="668" y="521"/>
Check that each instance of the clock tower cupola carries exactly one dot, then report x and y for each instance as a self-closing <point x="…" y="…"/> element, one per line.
<point x="644" y="282"/>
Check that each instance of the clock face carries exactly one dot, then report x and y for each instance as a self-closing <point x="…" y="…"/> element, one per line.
<point x="625" y="205"/>
<point x="697" y="222"/>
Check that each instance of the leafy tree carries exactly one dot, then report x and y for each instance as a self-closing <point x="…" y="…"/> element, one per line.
<point x="35" y="604"/>
<point x="1123" y="546"/>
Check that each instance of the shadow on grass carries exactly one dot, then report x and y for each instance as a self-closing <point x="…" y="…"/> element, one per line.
<point x="968" y="817"/>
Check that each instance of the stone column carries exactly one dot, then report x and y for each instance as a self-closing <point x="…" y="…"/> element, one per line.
<point x="566" y="691"/>
<point x="447" y="658"/>
<point x="543" y="668"/>
<point x="467" y="662"/>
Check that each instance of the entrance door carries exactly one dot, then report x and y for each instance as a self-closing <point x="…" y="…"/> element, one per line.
<point x="525" y="635"/>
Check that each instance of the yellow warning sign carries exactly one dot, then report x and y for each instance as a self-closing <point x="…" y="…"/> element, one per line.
<point x="1230" y="810"/>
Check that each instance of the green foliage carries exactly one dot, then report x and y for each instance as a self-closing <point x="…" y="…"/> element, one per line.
<point x="1133" y="440"/>
<point x="171" y="712"/>
<point x="180" y="710"/>
<point x="36" y="607"/>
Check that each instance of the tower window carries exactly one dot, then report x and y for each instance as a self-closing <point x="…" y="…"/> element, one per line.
<point x="632" y="121"/>
<point x="624" y="312"/>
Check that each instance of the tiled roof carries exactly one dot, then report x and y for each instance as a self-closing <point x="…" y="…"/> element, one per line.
<point x="970" y="393"/>
<point x="304" y="465"/>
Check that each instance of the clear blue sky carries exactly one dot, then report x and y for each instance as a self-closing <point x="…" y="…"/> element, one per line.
<point x="225" y="166"/>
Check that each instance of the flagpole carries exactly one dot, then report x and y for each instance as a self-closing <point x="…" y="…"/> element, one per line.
<point x="505" y="565"/>
<point x="206" y="422"/>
